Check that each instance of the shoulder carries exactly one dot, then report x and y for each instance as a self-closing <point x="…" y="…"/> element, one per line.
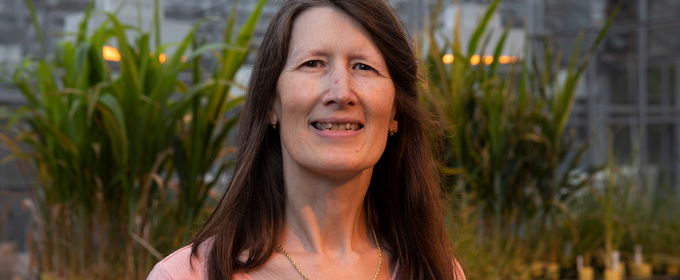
<point x="181" y="265"/>
<point x="458" y="270"/>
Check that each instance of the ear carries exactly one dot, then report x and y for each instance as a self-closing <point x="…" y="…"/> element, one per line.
<point x="394" y="124"/>
<point x="274" y="109"/>
<point x="272" y="117"/>
<point x="393" y="121"/>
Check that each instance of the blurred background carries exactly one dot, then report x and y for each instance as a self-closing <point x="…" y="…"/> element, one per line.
<point x="623" y="115"/>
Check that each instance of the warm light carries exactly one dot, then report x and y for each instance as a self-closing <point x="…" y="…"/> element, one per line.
<point x="474" y="60"/>
<point x="183" y="59"/>
<point x="505" y="59"/>
<point x="447" y="59"/>
<point x="111" y="53"/>
<point x="488" y="59"/>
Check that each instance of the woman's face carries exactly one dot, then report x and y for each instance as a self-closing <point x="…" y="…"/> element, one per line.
<point x="335" y="99"/>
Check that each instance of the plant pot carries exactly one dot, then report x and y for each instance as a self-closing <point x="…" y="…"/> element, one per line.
<point x="620" y="274"/>
<point x="552" y="271"/>
<point x="612" y="275"/>
<point x="643" y="270"/>
<point x="673" y="269"/>
<point x="537" y="269"/>
<point x="586" y="273"/>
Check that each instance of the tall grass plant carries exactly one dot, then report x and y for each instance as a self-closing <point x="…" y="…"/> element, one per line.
<point x="123" y="151"/>
<point x="511" y="160"/>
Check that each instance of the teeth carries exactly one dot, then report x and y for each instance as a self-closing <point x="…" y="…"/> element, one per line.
<point x="337" y="126"/>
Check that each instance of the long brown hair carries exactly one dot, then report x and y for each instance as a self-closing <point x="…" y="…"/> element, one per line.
<point x="403" y="200"/>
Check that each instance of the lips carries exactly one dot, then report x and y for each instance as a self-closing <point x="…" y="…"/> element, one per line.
<point x="340" y="126"/>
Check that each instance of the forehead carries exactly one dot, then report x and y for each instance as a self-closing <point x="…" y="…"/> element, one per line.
<point x="324" y="28"/>
<point x="323" y="14"/>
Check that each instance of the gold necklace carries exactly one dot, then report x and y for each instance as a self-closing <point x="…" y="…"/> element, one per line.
<point x="305" y="276"/>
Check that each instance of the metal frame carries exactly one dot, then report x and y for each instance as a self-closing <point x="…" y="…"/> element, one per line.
<point x="596" y="110"/>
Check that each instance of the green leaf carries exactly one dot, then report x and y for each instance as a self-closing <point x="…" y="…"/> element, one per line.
<point x="82" y="27"/>
<point x="481" y="27"/>
<point x="215" y="46"/>
<point x="497" y="52"/>
<point x="232" y="61"/>
<point x="110" y="102"/>
<point x="36" y="24"/>
<point x="127" y="64"/>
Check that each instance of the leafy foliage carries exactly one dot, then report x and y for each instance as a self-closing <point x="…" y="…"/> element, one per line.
<point x="128" y="153"/>
<point x="123" y="149"/>
<point x="509" y="154"/>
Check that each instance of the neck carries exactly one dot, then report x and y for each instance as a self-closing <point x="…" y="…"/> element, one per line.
<point x="325" y="214"/>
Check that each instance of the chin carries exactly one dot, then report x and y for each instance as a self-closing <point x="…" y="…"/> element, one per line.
<point x="332" y="161"/>
<point x="340" y="167"/>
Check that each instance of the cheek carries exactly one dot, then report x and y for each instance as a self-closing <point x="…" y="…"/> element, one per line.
<point x="382" y="103"/>
<point x="296" y="97"/>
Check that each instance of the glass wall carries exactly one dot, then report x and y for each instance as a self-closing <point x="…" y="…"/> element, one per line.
<point x="631" y="82"/>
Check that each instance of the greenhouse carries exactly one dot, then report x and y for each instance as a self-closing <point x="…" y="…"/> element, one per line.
<point x="557" y="147"/>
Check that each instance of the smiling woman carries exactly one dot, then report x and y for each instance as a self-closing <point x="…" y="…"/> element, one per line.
<point x="334" y="101"/>
<point x="334" y="161"/>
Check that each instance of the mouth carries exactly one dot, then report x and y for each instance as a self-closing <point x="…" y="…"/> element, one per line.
<point x="337" y="126"/>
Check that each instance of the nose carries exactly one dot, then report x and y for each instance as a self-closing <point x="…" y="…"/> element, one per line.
<point x="339" y="89"/>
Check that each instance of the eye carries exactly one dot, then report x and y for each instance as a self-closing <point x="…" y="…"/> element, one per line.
<point x="311" y="63"/>
<point x="361" y="66"/>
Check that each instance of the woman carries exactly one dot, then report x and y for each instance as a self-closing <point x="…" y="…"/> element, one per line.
<point x="334" y="177"/>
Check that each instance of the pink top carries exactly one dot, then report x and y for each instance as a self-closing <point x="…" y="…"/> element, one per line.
<point x="176" y="267"/>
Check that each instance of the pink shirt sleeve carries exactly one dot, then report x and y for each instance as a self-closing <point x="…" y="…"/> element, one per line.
<point x="158" y="273"/>
<point x="460" y="275"/>
<point x="176" y="266"/>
